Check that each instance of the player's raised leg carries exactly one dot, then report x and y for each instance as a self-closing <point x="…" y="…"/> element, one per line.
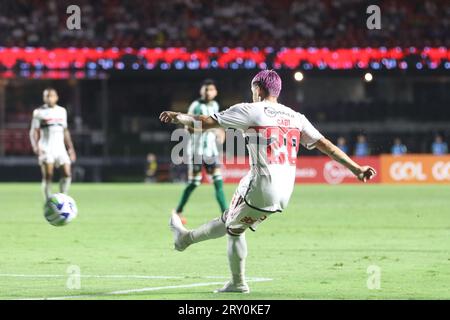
<point x="183" y="238"/>
<point x="66" y="178"/>
<point x="47" y="170"/>
<point x="213" y="229"/>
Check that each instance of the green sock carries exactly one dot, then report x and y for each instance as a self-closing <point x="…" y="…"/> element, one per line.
<point x="185" y="196"/>
<point x="220" y="196"/>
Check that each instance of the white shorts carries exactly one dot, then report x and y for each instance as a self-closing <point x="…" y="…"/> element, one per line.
<point x="55" y="157"/>
<point x="241" y="216"/>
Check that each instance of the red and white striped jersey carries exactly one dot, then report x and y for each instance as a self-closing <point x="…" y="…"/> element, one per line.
<point x="273" y="134"/>
<point x="51" y="122"/>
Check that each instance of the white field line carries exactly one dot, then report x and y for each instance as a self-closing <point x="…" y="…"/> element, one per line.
<point x="123" y="292"/>
<point x="118" y="276"/>
<point x="113" y="276"/>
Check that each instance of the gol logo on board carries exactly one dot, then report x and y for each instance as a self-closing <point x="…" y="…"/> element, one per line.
<point x="416" y="169"/>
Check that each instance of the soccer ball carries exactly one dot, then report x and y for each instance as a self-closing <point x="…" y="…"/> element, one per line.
<point x="60" y="209"/>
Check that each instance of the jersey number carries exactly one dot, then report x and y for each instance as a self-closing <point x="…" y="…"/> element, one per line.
<point x="282" y="145"/>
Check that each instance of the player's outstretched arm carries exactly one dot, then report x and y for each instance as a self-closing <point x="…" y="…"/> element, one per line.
<point x="364" y="173"/>
<point x="69" y="144"/>
<point x="201" y="121"/>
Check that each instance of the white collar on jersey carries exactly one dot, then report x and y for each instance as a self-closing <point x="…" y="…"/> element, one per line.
<point x="46" y="106"/>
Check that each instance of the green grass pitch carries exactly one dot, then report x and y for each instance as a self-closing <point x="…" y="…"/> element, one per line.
<point x="319" y="248"/>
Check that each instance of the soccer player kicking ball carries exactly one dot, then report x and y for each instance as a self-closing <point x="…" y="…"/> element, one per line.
<point x="202" y="149"/>
<point x="49" y="137"/>
<point x="274" y="133"/>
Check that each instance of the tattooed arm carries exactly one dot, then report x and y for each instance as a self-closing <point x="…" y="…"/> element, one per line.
<point x="363" y="173"/>
<point x="191" y="121"/>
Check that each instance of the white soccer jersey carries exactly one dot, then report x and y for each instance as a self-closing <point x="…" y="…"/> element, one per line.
<point x="273" y="133"/>
<point x="51" y="122"/>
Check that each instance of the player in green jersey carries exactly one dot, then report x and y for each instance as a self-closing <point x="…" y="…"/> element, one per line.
<point x="202" y="149"/>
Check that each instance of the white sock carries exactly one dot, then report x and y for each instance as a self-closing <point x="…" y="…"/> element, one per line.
<point x="46" y="186"/>
<point x="64" y="184"/>
<point x="210" y="230"/>
<point x="237" y="252"/>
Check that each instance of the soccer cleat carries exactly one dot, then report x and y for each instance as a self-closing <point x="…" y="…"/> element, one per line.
<point x="183" y="219"/>
<point x="180" y="233"/>
<point x="231" y="287"/>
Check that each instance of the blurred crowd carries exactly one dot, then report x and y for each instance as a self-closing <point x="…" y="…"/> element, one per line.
<point x="378" y="110"/>
<point x="205" y="23"/>
<point x="362" y="148"/>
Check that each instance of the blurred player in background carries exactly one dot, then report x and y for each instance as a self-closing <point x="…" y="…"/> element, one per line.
<point x="202" y="149"/>
<point x="274" y="133"/>
<point x="52" y="143"/>
<point x="151" y="168"/>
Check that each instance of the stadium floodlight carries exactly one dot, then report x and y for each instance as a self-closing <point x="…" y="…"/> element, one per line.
<point x="368" y="77"/>
<point x="298" y="76"/>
